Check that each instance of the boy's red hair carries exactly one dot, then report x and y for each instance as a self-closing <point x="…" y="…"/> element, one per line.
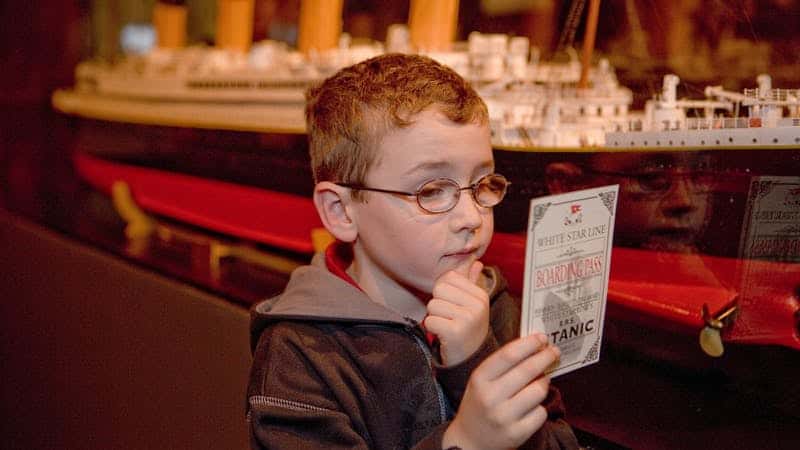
<point x="349" y="113"/>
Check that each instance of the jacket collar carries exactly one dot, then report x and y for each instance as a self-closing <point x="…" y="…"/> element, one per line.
<point x="316" y="294"/>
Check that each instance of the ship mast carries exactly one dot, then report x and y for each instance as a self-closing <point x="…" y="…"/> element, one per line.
<point x="588" y="42"/>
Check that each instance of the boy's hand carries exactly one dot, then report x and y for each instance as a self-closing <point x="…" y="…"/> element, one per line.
<point x="501" y="407"/>
<point x="458" y="314"/>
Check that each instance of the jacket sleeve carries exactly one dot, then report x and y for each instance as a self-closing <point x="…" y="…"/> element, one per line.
<point x="289" y="406"/>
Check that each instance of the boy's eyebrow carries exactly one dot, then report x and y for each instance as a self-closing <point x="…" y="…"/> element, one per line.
<point x="438" y="165"/>
<point x="427" y="166"/>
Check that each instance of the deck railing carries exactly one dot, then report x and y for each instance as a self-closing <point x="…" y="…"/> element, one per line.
<point x="709" y="123"/>
<point x="774" y="95"/>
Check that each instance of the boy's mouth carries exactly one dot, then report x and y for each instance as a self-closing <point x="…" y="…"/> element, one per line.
<point x="467" y="251"/>
<point x="461" y="260"/>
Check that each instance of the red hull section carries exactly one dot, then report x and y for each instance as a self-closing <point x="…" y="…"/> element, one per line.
<point x="654" y="289"/>
<point x="259" y="215"/>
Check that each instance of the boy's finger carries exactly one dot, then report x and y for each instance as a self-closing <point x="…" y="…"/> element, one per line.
<point x="475" y="271"/>
<point x="441" y="308"/>
<point x="459" y="292"/>
<point x="435" y="325"/>
<point x="528" y="398"/>
<point x="533" y="420"/>
<point x="508" y="356"/>
<point x="530" y="368"/>
<point x="465" y="266"/>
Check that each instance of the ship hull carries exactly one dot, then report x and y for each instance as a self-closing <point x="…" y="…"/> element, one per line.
<point x="277" y="159"/>
<point x="270" y="163"/>
<point x="639" y="291"/>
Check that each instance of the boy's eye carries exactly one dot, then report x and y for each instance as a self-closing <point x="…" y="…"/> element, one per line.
<point x="438" y="195"/>
<point x="492" y="184"/>
<point x="435" y="190"/>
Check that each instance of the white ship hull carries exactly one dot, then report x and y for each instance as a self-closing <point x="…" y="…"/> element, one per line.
<point x="245" y="88"/>
<point x="273" y="117"/>
<point x="780" y="136"/>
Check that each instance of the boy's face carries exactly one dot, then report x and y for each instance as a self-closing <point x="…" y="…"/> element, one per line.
<point x="398" y="243"/>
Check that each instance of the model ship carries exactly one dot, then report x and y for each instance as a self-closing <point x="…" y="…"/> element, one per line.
<point x="261" y="86"/>
<point x="249" y="97"/>
<point x="532" y="104"/>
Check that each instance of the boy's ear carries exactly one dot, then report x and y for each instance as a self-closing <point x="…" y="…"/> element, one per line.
<point x="563" y="177"/>
<point x="333" y="206"/>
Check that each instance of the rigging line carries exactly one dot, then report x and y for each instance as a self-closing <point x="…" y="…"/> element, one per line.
<point x="747" y="19"/>
<point x="567" y="38"/>
<point x="638" y="35"/>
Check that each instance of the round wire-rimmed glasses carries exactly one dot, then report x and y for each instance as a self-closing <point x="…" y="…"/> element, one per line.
<point x="440" y="195"/>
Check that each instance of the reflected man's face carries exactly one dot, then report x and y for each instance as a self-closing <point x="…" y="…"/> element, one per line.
<point x="664" y="198"/>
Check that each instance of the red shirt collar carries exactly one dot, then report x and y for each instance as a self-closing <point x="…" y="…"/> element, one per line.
<point x="338" y="257"/>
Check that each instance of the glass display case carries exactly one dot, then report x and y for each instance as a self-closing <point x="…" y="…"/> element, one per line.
<point x="193" y="162"/>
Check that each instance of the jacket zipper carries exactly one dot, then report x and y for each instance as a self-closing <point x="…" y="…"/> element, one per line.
<point x="413" y="329"/>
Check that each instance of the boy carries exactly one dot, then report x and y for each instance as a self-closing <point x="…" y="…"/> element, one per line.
<point x="392" y="338"/>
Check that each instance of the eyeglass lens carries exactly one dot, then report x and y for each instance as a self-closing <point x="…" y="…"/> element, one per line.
<point x="442" y="194"/>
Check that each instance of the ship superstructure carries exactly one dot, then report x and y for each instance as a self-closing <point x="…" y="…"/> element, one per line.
<point x="241" y="85"/>
<point x="771" y="118"/>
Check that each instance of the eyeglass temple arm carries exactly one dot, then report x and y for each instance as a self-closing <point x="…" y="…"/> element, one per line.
<point x="386" y="191"/>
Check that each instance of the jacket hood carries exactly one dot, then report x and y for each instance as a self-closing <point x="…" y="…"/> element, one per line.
<point x="314" y="294"/>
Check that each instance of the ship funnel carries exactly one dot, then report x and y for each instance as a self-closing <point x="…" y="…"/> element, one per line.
<point x="432" y="24"/>
<point x="235" y="24"/>
<point x="397" y="39"/>
<point x="764" y="85"/>
<point x="320" y="25"/>
<point x="169" y="20"/>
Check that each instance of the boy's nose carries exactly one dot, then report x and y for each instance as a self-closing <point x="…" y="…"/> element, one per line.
<point x="467" y="213"/>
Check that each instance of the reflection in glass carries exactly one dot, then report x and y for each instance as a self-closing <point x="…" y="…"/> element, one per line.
<point x="664" y="197"/>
